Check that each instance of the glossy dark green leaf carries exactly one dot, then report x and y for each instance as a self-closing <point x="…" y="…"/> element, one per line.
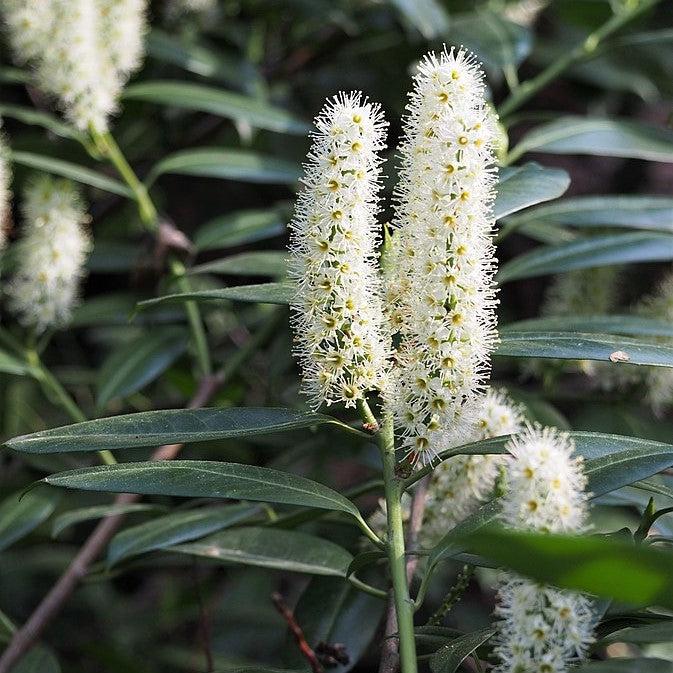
<point x="520" y="187"/>
<point x="599" y="136"/>
<point x="264" y="293"/>
<point x="601" y="566"/>
<point x="451" y="656"/>
<point x="272" y="548"/>
<point x="619" y="665"/>
<point x="629" y="325"/>
<point x="332" y="611"/>
<point x="137" y="363"/>
<point x="45" y="120"/>
<point x="261" y="263"/>
<point x="169" y="426"/>
<point x="66" y="169"/>
<point x="75" y="516"/>
<point x="363" y="560"/>
<point x="38" y="660"/>
<point x="117" y="309"/>
<point x="205" y="479"/>
<point x="660" y="632"/>
<point x="653" y="213"/>
<point x="175" y="528"/>
<point x="239" y="227"/>
<point x="427" y="16"/>
<point x="227" y="164"/>
<point x="580" y="346"/>
<point x="202" y="98"/>
<point x="587" y="253"/>
<point x="21" y="513"/>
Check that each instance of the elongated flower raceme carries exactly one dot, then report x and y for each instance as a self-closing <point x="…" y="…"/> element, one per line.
<point x="460" y="485"/>
<point x="51" y="255"/>
<point x="338" y="318"/>
<point x="541" y="628"/>
<point x="83" y="51"/>
<point x="441" y="280"/>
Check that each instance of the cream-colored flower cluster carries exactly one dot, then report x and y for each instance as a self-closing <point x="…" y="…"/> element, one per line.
<point x="541" y="628"/>
<point x="51" y="255"/>
<point x="460" y="485"/>
<point x="341" y="337"/>
<point x="440" y="278"/>
<point x="83" y="51"/>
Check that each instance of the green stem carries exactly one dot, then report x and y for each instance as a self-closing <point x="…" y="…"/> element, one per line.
<point x="530" y="87"/>
<point x="404" y="606"/>
<point x="53" y="389"/>
<point x="367" y="588"/>
<point x="107" y="146"/>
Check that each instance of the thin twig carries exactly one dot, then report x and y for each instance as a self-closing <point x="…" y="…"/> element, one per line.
<point x="297" y="632"/>
<point x="389" y="651"/>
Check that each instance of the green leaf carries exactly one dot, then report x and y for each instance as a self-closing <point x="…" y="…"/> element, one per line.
<point x="264" y="293"/>
<point x="237" y="228"/>
<point x="201" y="60"/>
<point x="332" y="611"/>
<point x="598" y="136"/>
<point x="21" y="513"/>
<point x="175" y="528"/>
<point x="272" y="548"/>
<point x="9" y="364"/>
<point x="427" y="16"/>
<point x="33" y="117"/>
<point x="661" y="632"/>
<point x="75" y="516"/>
<point x="619" y="665"/>
<point x="602" y="566"/>
<point x="523" y="186"/>
<point x="260" y="263"/>
<point x="167" y="426"/>
<point x="451" y="656"/>
<point x="205" y="479"/>
<point x="629" y="325"/>
<point x="66" y="169"/>
<point x="38" y="660"/>
<point x="653" y="213"/>
<point x="227" y="164"/>
<point x="116" y="308"/>
<point x="587" y="253"/>
<point x="363" y="560"/>
<point x="580" y="346"/>
<point x="216" y="101"/>
<point x="137" y="363"/>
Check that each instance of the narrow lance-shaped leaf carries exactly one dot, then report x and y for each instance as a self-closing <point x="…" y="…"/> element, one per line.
<point x="169" y="426"/>
<point x="21" y="513"/>
<point x="629" y="325"/>
<point x="264" y="293"/>
<point x="451" y="656"/>
<point x="75" y="516"/>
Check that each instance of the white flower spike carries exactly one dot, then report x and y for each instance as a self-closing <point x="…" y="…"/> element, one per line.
<point x="28" y="25"/>
<point x="440" y="277"/>
<point x="541" y="628"/>
<point x="51" y="255"/>
<point x="338" y="319"/>
<point x="460" y="485"/>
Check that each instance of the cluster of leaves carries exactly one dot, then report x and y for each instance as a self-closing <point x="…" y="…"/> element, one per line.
<point x="216" y="124"/>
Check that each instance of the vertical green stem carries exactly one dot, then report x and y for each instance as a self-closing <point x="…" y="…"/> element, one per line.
<point x="53" y="388"/>
<point x="393" y="487"/>
<point x="108" y="147"/>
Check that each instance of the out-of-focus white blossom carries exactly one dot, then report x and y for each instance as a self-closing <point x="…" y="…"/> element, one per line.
<point x="83" y="51"/>
<point x="541" y="628"/>
<point x="178" y="7"/>
<point x="460" y="485"/>
<point x="51" y="254"/>
<point x="340" y="331"/>
<point x="440" y="278"/>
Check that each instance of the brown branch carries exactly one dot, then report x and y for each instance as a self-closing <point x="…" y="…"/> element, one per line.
<point x="390" y="659"/>
<point x="300" y="639"/>
<point x="25" y="637"/>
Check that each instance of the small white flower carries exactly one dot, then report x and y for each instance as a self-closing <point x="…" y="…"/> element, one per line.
<point x="122" y="30"/>
<point x="460" y="485"/>
<point x="338" y="319"/>
<point x="541" y="628"/>
<point x="28" y="25"/>
<point x="51" y="254"/>
<point x="440" y="274"/>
